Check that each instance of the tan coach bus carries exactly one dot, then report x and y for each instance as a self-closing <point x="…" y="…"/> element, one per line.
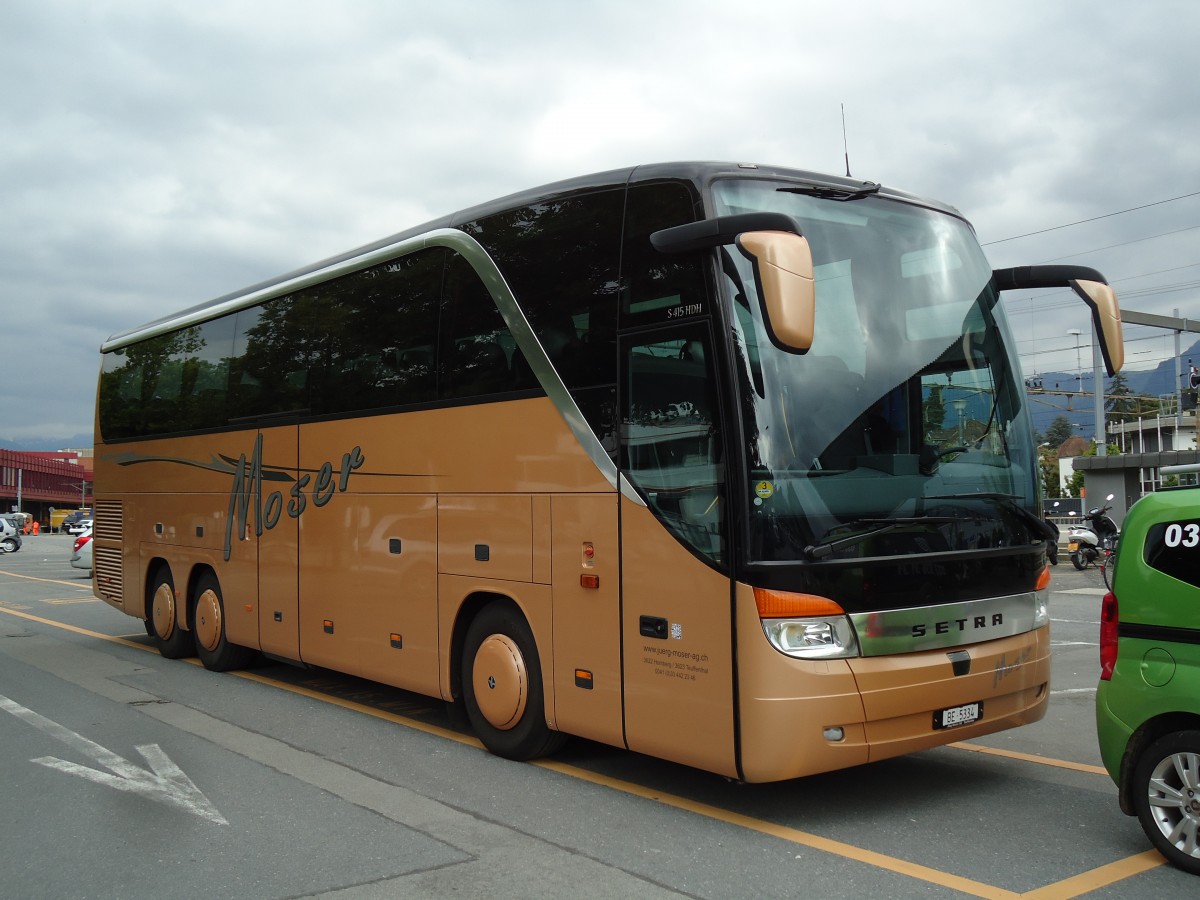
<point x="725" y="464"/>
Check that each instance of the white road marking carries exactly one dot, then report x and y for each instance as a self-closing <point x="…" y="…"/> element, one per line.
<point x="166" y="783"/>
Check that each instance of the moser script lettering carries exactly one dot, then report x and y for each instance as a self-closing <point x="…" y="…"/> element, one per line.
<point x="248" y="489"/>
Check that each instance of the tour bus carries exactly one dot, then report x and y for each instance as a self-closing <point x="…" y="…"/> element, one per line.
<point x="725" y="464"/>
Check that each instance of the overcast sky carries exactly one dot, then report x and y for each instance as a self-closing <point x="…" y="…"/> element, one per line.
<point x="156" y="154"/>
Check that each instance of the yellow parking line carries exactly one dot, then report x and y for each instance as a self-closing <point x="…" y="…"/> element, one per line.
<point x="1030" y="757"/>
<point x="1095" y="879"/>
<point x="1068" y="888"/>
<point x="87" y="586"/>
<point x="786" y="833"/>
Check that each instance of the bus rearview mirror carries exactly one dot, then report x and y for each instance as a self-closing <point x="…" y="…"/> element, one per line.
<point x="783" y="268"/>
<point x="1107" y="318"/>
<point x="1091" y="288"/>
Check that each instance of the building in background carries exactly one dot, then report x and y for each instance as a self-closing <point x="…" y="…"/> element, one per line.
<point x="39" y="483"/>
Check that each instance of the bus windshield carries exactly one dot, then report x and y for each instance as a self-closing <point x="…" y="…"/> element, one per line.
<point x="903" y="429"/>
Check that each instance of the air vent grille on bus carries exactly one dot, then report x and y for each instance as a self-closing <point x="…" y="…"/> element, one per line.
<point x="109" y="580"/>
<point x="108" y="521"/>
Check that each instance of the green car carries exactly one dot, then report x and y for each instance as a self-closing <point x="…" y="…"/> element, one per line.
<point x="1148" y="700"/>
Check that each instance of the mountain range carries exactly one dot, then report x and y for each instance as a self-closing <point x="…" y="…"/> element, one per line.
<point x="1045" y="406"/>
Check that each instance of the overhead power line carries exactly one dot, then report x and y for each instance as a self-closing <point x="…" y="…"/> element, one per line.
<point x="1094" y="218"/>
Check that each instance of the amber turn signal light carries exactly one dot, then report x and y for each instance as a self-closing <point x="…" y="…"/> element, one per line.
<point x="786" y="605"/>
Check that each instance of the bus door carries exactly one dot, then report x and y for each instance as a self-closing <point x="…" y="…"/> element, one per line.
<point x="676" y="604"/>
<point x="278" y="544"/>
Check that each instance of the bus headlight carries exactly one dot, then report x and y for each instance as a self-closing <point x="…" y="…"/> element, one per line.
<point x="806" y="626"/>
<point x="831" y="638"/>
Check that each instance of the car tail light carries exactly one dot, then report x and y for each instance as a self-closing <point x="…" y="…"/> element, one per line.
<point x="1109" y="620"/>
<point x="80" y="541"/>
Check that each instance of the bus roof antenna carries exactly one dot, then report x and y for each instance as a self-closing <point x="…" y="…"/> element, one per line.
<point x="845" y="143"/>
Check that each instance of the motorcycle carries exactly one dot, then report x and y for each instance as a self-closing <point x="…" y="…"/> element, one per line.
<point x="1094" y="542"/>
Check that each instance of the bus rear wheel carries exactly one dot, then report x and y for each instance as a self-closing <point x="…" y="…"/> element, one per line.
<point x="162" y="621"/>
<point x="208" y="624"/>
<point x="502" y="685"/>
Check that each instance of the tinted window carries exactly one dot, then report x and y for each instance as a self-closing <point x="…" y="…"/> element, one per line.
<point x="1174" y="549"/>
<point x="478" y="355"/>
<point x="658" y="287"/>
<point x="273" y="345"/>
<point x="173" y="382"/>
<point x="560" y="259"/>
<point x="376" y="333"/>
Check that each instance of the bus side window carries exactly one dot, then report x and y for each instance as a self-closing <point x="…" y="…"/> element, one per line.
<point x="670" y="442"/>
<point x="375" y="336"/>
<point x="560" y="259"/>
<point x="477" y="351"/>
<point x="271" y="348"/>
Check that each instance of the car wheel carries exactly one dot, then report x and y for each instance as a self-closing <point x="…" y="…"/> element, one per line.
<point x="162" y="619"/>
<point x="1166" y="795"/>
<point x="8" y="545"/>
<point x="502" y="685"/>
<point x="208" y="624"/>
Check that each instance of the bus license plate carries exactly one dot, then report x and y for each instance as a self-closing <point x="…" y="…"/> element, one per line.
<point x="958" y="715"/>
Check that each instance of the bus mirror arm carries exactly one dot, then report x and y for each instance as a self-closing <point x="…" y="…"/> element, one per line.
<point x="1091" y="287"/>
<point x="709" y="233"/>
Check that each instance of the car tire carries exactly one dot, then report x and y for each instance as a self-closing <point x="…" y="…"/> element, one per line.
<point x="1166" y="797"/>
<point x="502" y="685"/>
<point x="8" y="545"/>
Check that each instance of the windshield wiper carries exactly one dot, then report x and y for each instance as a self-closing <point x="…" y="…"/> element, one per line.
<point x="827" y="548"/>
<point x="1039" y="525"/>
<point x="834" y="191"/>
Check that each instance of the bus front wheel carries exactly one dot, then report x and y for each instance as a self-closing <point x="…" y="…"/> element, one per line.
<point x="162" y="621"/>
<point x="502" y="685"/>
<point x="212" y="646"/>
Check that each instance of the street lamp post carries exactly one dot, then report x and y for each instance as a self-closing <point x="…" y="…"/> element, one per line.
<point x="1078" y="361"/>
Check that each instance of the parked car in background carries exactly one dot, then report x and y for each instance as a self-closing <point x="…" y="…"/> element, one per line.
<point x="10" y="536"/>
<point x="1148" y="698"/>
<point x="80" y="527"/>
<point x="81" y="551"/>
<point x="72" y="518"/>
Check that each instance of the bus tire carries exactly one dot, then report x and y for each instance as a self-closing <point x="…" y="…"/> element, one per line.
<point x="1166" y="796"/>
<point x="208" y="625"/>
<point x="502" y="685"/>
<point x="162" y="619"/>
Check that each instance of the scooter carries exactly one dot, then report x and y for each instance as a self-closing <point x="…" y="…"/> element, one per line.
<point x="1096" y="542"/>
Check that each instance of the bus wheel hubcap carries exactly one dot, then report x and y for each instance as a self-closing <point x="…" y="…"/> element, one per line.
<point x="208" y="620"/>
<point x="162" y="611"/>
<point x="501" y="681"/>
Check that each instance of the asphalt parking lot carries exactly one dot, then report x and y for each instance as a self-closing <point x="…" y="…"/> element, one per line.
<point x="315" y="784"/>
